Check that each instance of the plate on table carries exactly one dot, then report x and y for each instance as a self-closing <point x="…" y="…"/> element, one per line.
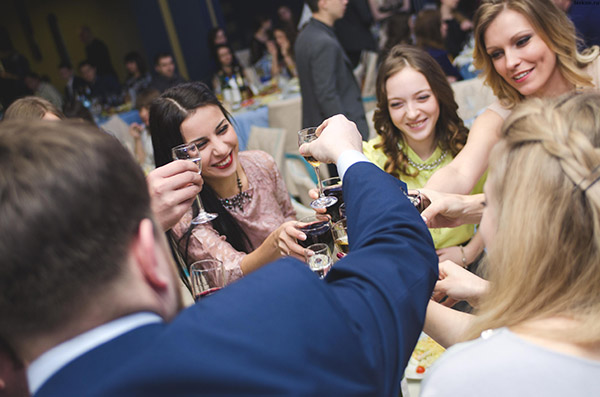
<point x="426" y="352"/>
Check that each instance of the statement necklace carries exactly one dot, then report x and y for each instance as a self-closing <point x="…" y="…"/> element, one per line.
<point x="427" y="166"/>
<point x="239" y="199"/>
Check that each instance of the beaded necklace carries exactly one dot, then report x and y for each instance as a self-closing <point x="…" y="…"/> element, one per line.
<point x="427" y="166"/>
<point x="239" y="200"/>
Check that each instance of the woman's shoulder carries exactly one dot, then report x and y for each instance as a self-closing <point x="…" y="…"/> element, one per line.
<point x="498" y="362"/>
<point x="499" y="109"/>
<point x="258" y="163"/>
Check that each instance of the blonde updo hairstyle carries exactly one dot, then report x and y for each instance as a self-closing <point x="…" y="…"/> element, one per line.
<point x="551" y="24"/>
<point x="450" y="131"/>
<point x="544" y="180"/>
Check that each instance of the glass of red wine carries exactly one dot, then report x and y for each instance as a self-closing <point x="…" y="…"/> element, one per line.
<point x="207" y="277"/>
<point x="189" y="151"/>
<point x="317" y="229"/>
<point x="333" y="187"/>
<point x="318" y="258"/>
<point x="305" y="136"/>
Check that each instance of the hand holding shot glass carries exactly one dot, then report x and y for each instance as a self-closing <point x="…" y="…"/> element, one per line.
<point x="190" y="151"/>
<point x="308" y="135"/>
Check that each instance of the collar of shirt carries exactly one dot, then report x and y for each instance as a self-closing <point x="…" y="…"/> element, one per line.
<point x="50" y="362"/>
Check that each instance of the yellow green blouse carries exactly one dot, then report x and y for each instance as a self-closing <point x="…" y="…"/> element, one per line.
<point x="444" y="237"/>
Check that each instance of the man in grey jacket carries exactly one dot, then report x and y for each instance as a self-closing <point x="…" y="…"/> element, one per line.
<point x="326" y="80"/>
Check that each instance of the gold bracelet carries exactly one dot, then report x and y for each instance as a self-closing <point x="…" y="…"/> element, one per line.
<point x="464" y="259"/>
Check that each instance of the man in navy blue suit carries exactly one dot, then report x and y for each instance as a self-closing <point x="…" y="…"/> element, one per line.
<point x="89" y="294"/>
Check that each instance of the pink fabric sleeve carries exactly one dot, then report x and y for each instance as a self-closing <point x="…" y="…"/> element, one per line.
<point x="206" y="243"/>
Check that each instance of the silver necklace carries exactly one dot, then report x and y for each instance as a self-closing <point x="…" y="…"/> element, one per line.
<point x="239" y="200"/>
<point x="427" y="166"/>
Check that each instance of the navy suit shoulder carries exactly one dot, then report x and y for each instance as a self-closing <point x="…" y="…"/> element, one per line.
<point x="281" y="330"/>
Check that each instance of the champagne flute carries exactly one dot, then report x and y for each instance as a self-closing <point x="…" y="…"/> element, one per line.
<point x="318" y="258"/>
<point x="308" y="135"/>
<point x="207" y="277"/>
<point x="189" y="151"/>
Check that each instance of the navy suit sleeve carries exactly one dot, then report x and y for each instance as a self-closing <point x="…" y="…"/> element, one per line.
<point x="385" y="282"/>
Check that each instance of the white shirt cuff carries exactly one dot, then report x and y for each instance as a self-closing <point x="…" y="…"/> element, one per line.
<point x="347" y="159"/>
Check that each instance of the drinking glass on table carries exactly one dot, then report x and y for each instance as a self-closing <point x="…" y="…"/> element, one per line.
<point x="318" y="258"/>
<point x="333" y="187"/>
<point x="305" y="136"/>
<point x="340" y="235"/>
<point x="317" y="229"/>
<point x="190" y="151"/>
<point x="207" y="277"/>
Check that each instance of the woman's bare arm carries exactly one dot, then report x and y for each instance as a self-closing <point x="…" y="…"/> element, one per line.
<point x="461" y="175"/>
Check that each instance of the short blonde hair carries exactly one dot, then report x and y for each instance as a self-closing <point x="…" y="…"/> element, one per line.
<point x="553" y="26"/>
<point x="544" y="179"/>
<point x="31" y="108"/>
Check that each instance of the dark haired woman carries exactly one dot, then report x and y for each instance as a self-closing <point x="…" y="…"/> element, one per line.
<point x="419" y="133"/>
<point x="138" y="78"/>
<point x="256" y="218"/>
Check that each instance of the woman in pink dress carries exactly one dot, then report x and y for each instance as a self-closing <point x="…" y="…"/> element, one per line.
<point x="255" y="223"/>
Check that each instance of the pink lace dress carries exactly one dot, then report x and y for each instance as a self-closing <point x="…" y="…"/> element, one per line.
<point x="269" y="207"/>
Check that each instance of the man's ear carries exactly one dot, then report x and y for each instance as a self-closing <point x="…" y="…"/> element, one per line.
<point x="147" y="252"/>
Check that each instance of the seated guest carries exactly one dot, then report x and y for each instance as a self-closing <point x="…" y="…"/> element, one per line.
<point x="138" y="78"/>
<point x="541" y="314"/>
<point x="43" y="89"/>
<point x="255" y="222"/>
<point x="74" y="85"/>
<point x="430" y="37"/>
<point x="230" y="69"/>
<point x="287" y="22"/>
<point x="164" y="75"/>
<point x="283" y="63"/>
<point x="457" y="27"/>
<point x="103" y="88"/>
<point x="107" y="301"/>
<point x="32" y="108"/>
<point x="144" y="154"/>
<point x="420" y="132"/>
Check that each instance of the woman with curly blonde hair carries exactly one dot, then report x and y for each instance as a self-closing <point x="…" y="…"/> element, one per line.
<point x="526" y="48"/>
<point x="541" y="313"/>
<point x="419" y="131"/>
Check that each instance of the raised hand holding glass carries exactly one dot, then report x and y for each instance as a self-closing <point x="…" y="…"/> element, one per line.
<point x="190" y="151"/>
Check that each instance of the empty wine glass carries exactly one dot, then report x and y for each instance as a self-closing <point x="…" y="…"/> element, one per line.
<point x="305" y="136"/>
<point x="318" y="258"/>
<point x="189" y="151"/>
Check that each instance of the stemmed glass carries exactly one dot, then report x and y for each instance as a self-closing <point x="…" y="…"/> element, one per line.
<point x="308" y="135"/>
<point x="189" y="151"/>
<point x="319" y="260"/>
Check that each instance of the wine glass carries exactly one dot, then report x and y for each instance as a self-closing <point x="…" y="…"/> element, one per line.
<point x="308" y="135"/>
<point x="207" y="277"/>
<point x="342" y="211"/>
<point x="189" y="151"/>
<point x="317" y="229"/>
<point x="318" y="258"/>
<point x="340" y="235"/>
<point x="333" y="187"/>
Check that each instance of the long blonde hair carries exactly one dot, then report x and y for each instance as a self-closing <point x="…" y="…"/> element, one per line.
<point x="544" y="180"/>
<point x="553" y="26"/>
